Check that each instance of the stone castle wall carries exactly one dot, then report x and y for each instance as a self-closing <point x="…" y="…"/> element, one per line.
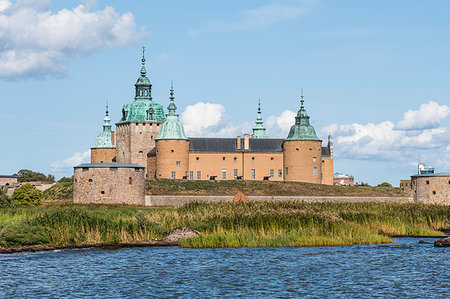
<point x="134" y="140"/>
<point x="431" y="189"/>
<point x="6" y="181"/>
<point x="102" y="155"/>
<point x="300" y="158"/>
<point x="109" y="185"/>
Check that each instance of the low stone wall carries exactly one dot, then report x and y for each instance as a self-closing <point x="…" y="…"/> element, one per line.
<point x="179" y="200"/>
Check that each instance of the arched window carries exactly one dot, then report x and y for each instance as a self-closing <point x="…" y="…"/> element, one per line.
<point x="130" y="180"/>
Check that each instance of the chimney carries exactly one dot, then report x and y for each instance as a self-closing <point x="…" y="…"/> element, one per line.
<point x="113" y="141"/>
<point x="238" y="143"/>
<point x="246" y="142"/>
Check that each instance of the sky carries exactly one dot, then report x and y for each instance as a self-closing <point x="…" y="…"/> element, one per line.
<point x="375" y="75"/>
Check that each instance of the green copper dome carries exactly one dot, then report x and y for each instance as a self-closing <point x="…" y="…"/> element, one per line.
<point x="143" y="108"/>
<point x="172" y="128"/>
<point x="104" y="140"/>
<point x="302" y="130"/>
<point x="259" y="131"/>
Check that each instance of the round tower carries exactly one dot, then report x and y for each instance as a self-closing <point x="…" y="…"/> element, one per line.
<point x="302" y="151"/>
<point x="104" y="150"/>
<point x="172" y="146"/>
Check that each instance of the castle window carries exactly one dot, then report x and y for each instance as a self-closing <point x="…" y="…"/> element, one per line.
<point x="171" y="150"/>
<point x="310" y="149"/>
<point x="113" y="168"/>
<point x="178" y="163"/>
<point x="314" y="159"/>
<point x="191" y="175"/>
<point x="271" y="158"/>
<point x="224" y="174"/>
<point x="197" y="158"/>
<point x="140" y="152"/>
<point x="434" y="192"/>
<point x="296" y="149"/>
<point x="286" y="171"/>
<point x="280" y="173"/>
<point x="315" y="171"/>
<point x="102" y="192"/>
<point x="130" y="181"/>
<point x="90" y="180"/>
<point x="236" y="158"/>
<point x="253" y="158"/>
<point x="173" y="175"/>
<point x="235" y="173"/>
<point x="272" y="173"/>
<point x="199" y="175"/>
<point x="136" y="169"/>
<point x="223" y="158"/>
<point x="85" y="168"/>
<point x="151" y="137"/>
<point x="428" y="182"/>
<point x="253" y="174"/>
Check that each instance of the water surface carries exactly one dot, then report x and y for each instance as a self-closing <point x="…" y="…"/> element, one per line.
<point x="343" y="271"/>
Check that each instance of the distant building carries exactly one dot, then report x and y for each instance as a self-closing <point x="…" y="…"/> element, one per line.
<point x="7" y="180"/>
<point x="405" y="186"/>
<point x="340" y="179"/>
<point x="433" y="188"/>
<point x="423" y="169"/>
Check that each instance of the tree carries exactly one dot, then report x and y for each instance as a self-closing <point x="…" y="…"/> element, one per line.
<point x="384" y="184"/>
<point x="65" y="180"/>
<point x="26" y="175"/>
<point x="27" y="195"/>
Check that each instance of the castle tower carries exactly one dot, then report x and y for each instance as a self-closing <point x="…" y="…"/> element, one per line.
<point x="302" y="151"/>
<point x="140" y="123"/>
<point x="172" y="146"/>
<point x="104" y="150"/>
<point x="259" y="131"/>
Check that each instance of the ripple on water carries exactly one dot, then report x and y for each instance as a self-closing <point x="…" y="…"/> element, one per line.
<point x="345" y="271"/>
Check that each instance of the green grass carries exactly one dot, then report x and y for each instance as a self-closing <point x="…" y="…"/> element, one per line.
<point x="59" y="191"/>
<point x="222" y="224"/>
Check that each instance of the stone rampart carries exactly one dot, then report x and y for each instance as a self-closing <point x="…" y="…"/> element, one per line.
<point x="179" y="200"/>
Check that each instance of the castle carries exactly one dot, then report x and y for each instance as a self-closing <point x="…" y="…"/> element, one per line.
<point x="147" y="137"/>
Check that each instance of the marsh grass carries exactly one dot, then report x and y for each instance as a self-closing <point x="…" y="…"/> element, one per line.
<point x="258" y="223"/>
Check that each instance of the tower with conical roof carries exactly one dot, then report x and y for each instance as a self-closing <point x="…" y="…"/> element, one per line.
<point x="104" y="149"/>
<point x="140" y="123"/>
<point x="172" y="146"/>
<point x="302" y="151"/>
<point x="259" y="131"/>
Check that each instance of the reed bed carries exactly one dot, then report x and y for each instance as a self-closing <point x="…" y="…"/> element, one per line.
<point x="290" y="223"/>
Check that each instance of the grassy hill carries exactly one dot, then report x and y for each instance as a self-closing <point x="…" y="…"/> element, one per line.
<point x="60" y="191"/>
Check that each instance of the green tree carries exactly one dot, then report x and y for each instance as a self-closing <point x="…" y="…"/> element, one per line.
<point x="27" y="195"/>
<point x="5" y="201"/>
<point x="26" y="175"/>
<point x="384" y="184"/>
<point x="65" y="180"/>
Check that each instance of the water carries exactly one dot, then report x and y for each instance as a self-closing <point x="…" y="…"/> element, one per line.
<point x="315" y="272"/>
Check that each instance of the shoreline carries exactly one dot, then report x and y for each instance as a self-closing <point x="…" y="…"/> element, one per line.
<point x="46" y="248"/>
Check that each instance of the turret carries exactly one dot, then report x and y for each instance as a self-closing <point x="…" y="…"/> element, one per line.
<point x="259" y="131"/>
<point x="172" y="146"/>
<point x="302" y="151"/>
<point x="104" y="149"/>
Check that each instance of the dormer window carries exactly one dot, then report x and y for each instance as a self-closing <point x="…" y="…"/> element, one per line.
<point x="150" y="114"/>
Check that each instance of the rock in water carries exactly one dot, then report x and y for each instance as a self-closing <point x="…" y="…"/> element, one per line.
<point x="240" y="197"/>
<point x="179" y="234"/>
<point x="442" y="243"/>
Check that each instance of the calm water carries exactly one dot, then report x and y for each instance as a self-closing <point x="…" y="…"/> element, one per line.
<point x="353" y="271"/>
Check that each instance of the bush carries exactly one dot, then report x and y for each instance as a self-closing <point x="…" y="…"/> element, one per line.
<point x="65" y="179"/>
<point x="5" y="201"/>
<point x="384" y="184"/>
<point x="27" y="195"/>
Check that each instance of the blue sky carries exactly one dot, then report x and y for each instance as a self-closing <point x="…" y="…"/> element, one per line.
<point x="375" y="75"/>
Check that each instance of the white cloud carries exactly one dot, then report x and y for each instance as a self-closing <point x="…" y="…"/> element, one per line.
<point x="429" y="115"/>
<point x="36" y="42"/>
<point x="259" y="18"/>
<point x="69" y="163"/>
<point x="279" y="126"/>
<point x="210" y="120"/>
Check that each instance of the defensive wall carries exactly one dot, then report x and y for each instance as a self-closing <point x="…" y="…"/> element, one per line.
<point x="179" y="200"/>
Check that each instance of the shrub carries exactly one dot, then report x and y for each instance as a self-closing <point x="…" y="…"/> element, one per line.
<point x="65" y="180"/>
<point x="27" y="195"/>
<point x="5" y="201"/>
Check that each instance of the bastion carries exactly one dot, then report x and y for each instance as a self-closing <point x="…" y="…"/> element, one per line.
<point x="433" y="188"/>
<point x="109" y="183"/>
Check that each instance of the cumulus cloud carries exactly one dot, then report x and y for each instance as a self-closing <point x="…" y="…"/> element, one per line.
<point x="258" y="18"/>
<point x="279" y="126"/>
<point x="69" y="163"/>
<point x="429" y="115"/>
<point x="34" y="41"/>
<point x="210" y="119"/>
